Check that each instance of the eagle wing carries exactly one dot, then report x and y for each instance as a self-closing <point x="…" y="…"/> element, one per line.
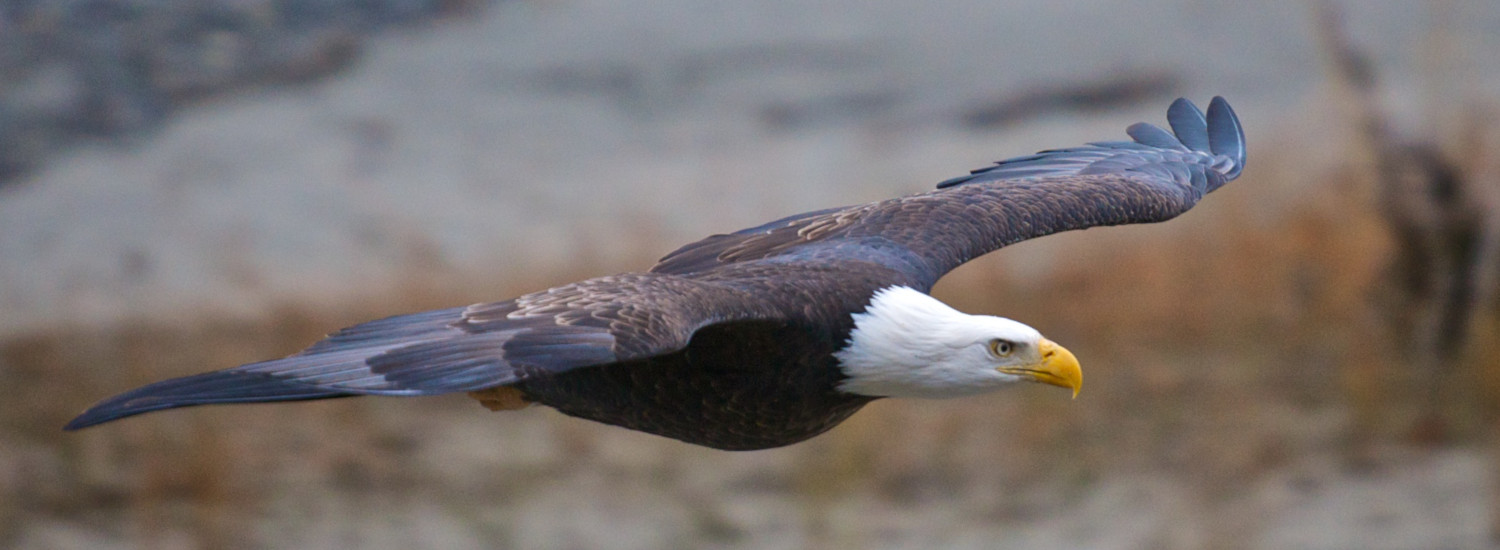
<point x="592" y="322"/>
<point x="1155" y="177"/>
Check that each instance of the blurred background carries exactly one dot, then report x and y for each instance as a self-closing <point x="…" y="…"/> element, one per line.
<point x="1308" y="360"/>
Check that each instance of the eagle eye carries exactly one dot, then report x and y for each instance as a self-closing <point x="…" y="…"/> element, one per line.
<point x="1001" y="348"/>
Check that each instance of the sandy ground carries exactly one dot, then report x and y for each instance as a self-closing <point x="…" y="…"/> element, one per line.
<point x="551" y="138"/>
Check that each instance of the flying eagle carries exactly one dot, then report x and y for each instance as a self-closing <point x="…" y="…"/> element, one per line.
<point x="766" y="336"/>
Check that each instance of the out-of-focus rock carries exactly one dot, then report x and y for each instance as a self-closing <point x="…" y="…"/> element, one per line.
<point x="111" y="69"/>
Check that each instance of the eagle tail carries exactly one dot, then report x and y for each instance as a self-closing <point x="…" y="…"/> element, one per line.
<point x="225" y="386"/>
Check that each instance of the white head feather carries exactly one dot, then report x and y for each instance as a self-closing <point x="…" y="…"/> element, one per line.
<point x="909" y="344"/>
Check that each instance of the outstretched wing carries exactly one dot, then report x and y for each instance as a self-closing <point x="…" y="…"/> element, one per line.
<point x="593" y="322"/>
<point x="1153" y="178"/>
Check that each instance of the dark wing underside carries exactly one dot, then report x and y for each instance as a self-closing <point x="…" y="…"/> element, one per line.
<point x="1156" y="177"/>
<point x="593" y="322"/>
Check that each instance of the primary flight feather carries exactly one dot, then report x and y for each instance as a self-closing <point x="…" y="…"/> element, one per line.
<point x="769" y="335"/>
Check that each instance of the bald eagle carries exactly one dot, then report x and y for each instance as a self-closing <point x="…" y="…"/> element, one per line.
<point x="766" y="336"/>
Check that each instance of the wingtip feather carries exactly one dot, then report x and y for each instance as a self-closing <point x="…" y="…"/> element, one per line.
<point x="1146" y="133"/>
<point x="1225" y="134"/>
<point x="226" y="386"/>
<point x="1189" y="124"/>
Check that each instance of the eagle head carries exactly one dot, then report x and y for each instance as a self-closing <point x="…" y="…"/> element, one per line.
<point x="909" y="344"/>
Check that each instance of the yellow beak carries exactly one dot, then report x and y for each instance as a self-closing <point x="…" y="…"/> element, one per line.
<point x="1058" y="367"/>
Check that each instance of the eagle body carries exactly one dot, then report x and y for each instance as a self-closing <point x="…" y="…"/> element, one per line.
<point x="769" y="335"/>
<point x="746" y="386"/>
<point x="737" y="385"/>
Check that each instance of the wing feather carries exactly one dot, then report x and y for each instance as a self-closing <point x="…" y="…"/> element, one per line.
<point x="1152" y="135"/>
<point x="593" y="322"/>
<point x="1189" y="124"/>
<point x="1153" y="178"/>
<point x="1226" y="138"/>
<point x="1212" y="146"/>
